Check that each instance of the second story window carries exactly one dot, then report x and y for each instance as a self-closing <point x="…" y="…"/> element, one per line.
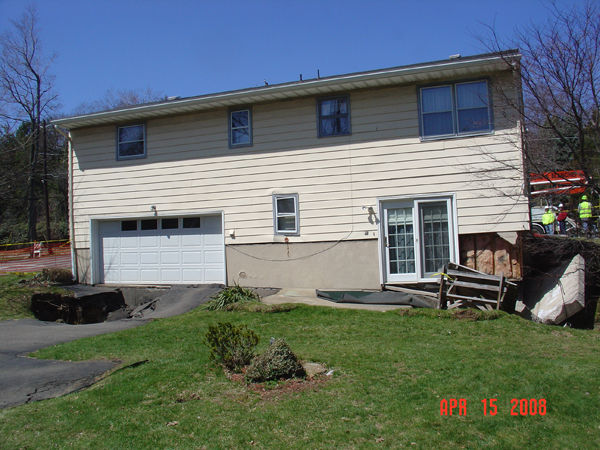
<point x="334" y="116"/>
<point x="131" y="141"/>
<point x="240" y="128"/>
<point x="455" y="109"/>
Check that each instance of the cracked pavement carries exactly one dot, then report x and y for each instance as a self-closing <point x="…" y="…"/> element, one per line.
<point x="24" y="379"/>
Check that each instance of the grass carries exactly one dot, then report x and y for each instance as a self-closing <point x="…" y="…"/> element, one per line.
<point x="391" y="372"/>
<point x="16" y="290"/>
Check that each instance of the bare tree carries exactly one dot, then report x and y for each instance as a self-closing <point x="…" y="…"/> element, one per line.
<point x="120" y="99"/>
<point x="560" y="73"/>
<point x="26" y="94"/>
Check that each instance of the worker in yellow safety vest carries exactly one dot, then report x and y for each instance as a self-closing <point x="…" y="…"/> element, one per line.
<point x="548" y="219"/>
<point x="585" y="213"/>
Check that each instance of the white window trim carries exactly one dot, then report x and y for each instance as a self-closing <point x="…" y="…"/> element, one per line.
<point x="123" y="157"/>
<point x="232" y="128"/>
<point x="455" y="109"/>
<point x="295" y="214"/>
<point x="414" y="199"/>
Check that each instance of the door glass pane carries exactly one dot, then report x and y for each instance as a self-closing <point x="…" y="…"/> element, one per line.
<point x="401" y="255"/>
<point x="435" y="236"/>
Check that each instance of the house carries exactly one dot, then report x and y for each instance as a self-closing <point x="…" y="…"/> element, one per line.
<point x="349" y="181"/>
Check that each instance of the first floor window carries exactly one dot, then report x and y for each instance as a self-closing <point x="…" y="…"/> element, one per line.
<point x="455" y="109"/>
<point x="240" y="128"/>
<point x="285" y="210"/>
<point x="131" y="141"/>
<point x="334" y="116"/>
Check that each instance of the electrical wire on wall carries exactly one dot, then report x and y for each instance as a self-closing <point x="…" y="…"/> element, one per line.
<point x="334" y="244"/>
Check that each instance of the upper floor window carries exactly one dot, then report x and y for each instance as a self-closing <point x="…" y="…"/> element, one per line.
<point x="285" y="209"/>
<point x="240" y="128"/>
<point x="131" y="141"/>
<point x="334" y="116"/>
<point x="455" y="109"/>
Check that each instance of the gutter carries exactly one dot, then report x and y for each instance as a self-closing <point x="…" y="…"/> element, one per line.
<point x="74" y="265"/>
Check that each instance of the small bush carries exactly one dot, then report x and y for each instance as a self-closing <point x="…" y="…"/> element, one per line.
<point x="230" y="345"/>
<point x="230" y="295"/>
<point x="277" y="362"/>
<point x="55" y="275"/>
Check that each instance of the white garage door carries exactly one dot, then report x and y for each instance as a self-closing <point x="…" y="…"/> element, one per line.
<point x="184" y="250"/>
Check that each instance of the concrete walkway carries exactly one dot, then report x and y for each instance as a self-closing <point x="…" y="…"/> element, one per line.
<point x="309" y="297"/>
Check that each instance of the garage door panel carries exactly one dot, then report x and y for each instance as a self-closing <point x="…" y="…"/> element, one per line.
<point x="130" y="258"/>
<point x="169" y="256"/>
<point x="192" y="257"/>
<point x="170" y="275"/>
<point x="149" y="258"/>
<point x="130" y="242"/>
<point x="129" y="275"/>
<point x="193" y="275"/>
<point x="170" y="241"/>
<point x="211" y="225"/>
<point x="189" y="240"/>
<point x="149" y="241"/>
<point x="110" y="228"/>
<point x="149" y="275"/>
<point x="112" y="242"/>
<point x="213" y="257"/>
<point x="213" y="275"/>
<point x="213" y="239"/>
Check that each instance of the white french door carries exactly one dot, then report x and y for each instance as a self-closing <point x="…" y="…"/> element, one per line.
<point x="418" y="238"/>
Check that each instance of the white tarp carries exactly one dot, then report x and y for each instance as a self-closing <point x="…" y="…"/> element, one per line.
<point x="563" y="294"/>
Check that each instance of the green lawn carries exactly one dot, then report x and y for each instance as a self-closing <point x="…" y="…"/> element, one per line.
<point x="16" y="290"/>
<point x="391" y="372"/>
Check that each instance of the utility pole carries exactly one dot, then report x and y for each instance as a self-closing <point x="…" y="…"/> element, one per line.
<point x="45" y="181"/>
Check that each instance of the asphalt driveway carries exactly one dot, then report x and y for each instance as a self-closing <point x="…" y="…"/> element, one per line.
<point x="24" y="379"/>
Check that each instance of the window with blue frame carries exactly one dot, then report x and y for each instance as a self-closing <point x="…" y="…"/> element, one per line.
<point x="240" y="128"/>
<point x="334" y="116"/>
<point x="455" y="109"/>
<point x="131" y="141"/>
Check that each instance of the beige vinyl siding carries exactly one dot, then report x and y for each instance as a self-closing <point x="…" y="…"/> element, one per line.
<point x="189" y="168"/>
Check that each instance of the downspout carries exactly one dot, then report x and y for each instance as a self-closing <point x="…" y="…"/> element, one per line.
<point x="74" y="265"/>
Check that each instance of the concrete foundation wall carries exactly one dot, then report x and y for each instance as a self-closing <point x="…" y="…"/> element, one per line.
<point x="84" y="267"/>
<point x="324" y="265"/>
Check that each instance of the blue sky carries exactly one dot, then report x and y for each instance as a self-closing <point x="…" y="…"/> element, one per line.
<point x="186" y="48"/>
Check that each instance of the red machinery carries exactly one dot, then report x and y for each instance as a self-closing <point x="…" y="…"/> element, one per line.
<point x="557" y="183"/>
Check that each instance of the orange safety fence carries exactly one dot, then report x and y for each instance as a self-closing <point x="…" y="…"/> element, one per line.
<point x="35" y="256"/>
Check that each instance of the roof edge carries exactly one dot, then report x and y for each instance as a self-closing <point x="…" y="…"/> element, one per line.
<point x="167" y="106"/>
